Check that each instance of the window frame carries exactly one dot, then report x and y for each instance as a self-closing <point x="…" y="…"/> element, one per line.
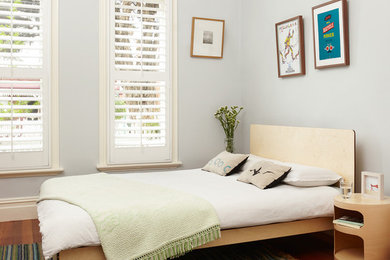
<point x="105" y="164"/>
<point x="50" y="96"/>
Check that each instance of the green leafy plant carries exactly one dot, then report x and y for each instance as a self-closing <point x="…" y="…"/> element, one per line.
<point x="228" y="119"/>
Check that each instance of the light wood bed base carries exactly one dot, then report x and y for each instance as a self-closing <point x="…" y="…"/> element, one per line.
<point x="327" y="148"/>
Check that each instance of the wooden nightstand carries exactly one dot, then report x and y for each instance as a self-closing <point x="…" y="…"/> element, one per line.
<point x="372" y="241"/>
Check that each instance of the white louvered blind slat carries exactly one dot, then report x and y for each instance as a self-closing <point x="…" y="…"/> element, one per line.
<point x="139" y="37"/>
<point x="21" y="104"/>
<point x="140" y="126"/>
<point x="139" y="113"/>
<point x="23" y="107"/>
<point x="21" y="34"/>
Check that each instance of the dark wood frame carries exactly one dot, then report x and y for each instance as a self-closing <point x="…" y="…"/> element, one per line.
<point x="344" y="19"/>
<point x="192" y="37"/>
<point x="301" y="45"/>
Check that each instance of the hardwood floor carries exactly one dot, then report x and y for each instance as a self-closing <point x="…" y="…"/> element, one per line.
<point x="20" y="232"/>
<point x="317" y="246"/>
<point x="303" y="247"/>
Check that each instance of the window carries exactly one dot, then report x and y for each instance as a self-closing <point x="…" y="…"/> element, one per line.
<point x="139" y="82"/>
<point x="25" y="68"/>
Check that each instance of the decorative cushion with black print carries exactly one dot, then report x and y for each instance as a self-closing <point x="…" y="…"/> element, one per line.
<point x="264" y="174"/>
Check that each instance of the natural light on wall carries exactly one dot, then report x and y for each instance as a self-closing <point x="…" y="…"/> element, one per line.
<point x="140" y="81"/>
<point x="24" y="83"/>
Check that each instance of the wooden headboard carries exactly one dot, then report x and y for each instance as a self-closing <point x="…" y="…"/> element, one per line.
<point x="332" y="149"/>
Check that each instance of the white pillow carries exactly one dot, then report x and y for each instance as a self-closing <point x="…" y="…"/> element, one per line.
<point x="300" y="175"/>
<point x="309" y="176"/>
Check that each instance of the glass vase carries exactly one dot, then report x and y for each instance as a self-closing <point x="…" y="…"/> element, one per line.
<point x="229" y="141"/>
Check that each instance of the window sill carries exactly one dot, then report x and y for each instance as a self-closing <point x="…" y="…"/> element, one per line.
<point x="31" y="173"/>
<point x="124" y="167"/>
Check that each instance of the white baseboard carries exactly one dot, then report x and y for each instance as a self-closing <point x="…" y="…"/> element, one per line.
<point x="18" y="208"/>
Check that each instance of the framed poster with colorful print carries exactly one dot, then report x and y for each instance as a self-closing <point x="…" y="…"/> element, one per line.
<point x="290" y="47"/>
<point x="330" y="33"/>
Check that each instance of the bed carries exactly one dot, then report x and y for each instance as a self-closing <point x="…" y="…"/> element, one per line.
<point x="327" y="148"/>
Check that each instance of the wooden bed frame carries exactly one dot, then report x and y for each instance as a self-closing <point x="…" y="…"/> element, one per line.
<point x="333" y="149"/>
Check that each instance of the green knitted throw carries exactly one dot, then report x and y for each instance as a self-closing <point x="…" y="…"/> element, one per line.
<point x="135" y="220"/>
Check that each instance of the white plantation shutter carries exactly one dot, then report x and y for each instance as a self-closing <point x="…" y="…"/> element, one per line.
<point x="24" y="78"/>
<point x="140" y="81"/>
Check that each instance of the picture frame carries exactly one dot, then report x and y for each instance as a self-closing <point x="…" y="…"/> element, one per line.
<point x="373" y="185"/>
<point x="290" y="47"/>
<point x="330" y="34"/>
<point x="207" y="38"/>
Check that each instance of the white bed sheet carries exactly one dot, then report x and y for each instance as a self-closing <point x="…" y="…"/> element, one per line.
<point x="237" y="204"/>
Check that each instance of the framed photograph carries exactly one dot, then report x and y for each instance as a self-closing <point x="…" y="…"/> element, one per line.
<point x="290" y="47"/>
<point x="330" y="34"/>
<point x="207" y="38"/>
<point x="372" y="185"/>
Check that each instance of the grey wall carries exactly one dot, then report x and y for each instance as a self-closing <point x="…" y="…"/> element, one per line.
<point x="204" y="85"/>
<point x="354" y="97"/>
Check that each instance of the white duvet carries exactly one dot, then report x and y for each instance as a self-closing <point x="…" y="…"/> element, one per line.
<point x="237" y="204"/>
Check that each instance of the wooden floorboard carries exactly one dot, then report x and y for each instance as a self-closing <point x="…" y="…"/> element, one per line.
<point x="11" y="233"/>
<point x="35" y="229"/>
<point x="302" y="247"/>
<point x="4" y="233"/>
<point x="27" y="232"/>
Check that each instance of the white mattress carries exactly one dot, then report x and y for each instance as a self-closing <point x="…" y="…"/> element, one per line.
<point x="237" y="204"/>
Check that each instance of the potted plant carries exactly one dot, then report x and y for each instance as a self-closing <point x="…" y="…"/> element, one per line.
<point x="228" y="118"/>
